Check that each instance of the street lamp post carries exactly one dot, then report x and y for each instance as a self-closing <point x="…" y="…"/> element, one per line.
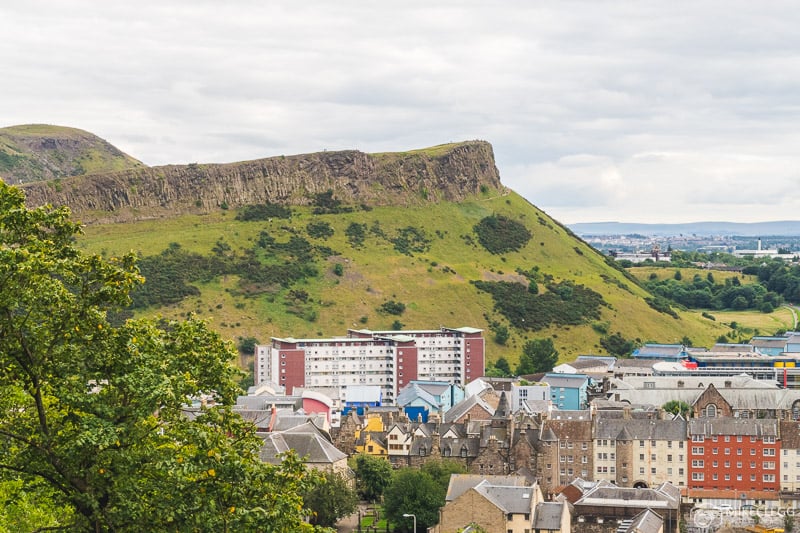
<point x="406" y="515"/>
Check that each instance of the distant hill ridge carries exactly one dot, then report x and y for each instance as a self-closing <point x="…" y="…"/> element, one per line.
<point x="450" y="172"/>
<point x="744" y="229"/>
<point x="36" y="152"/>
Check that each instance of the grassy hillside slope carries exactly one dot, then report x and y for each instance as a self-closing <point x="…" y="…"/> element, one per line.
<point x="433" y="285"/>
<point x="35" y="152"/>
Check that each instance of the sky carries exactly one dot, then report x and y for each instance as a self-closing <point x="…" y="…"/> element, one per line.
<point x="652" y="112"/>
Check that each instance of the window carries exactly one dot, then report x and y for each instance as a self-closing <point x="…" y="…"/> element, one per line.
<point x="711" y="411"/>
<point x="697" y="476"/>
<point x="769" y="452"/>
<point x="697" y="450"/>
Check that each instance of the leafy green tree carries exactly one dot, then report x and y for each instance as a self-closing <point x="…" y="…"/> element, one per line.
<point x="501" y="335"/>
<point x="502" y="365"/>
<point x="538" y="355"/>
<point x="441" y="471"/>
<point x="247" y="345"/>
<point x="331" y="499"/>
<point x="373" y="475"/>
<point x="618" y="345"/>
<point x="95" y="415"/>
<point x="413" y="491"/>
<point x="677" y="407"/>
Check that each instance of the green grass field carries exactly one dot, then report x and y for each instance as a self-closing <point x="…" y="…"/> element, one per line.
<point x="434" y="285"/>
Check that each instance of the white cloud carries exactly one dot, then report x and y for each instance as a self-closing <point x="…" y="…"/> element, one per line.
<point x="597" y="111"/>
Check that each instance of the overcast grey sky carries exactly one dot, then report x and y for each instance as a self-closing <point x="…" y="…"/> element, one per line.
<point x="628" y="111"/>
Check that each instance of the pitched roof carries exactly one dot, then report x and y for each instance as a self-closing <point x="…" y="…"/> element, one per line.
<point x="511" y="499"/>
<point x="606" y="494"/>
<point x="413" y="391"/>
<point x="461" y="483"/>
<point x="640" y="429"/>
<point x="733" y="426"/>
<point x="461" y="408"/>
<point x="548" y="515"/>
<point x="648" y="521"/>
<point x="572" y="381"/>
<point x="306" y="440"/>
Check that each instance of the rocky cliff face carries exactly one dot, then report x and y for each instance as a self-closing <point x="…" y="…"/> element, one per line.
<point x="448" y="172"/>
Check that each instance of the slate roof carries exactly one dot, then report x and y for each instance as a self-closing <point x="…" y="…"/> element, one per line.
<point x="411" y="392"/>
<point x="606" y="494"/>
<point x="742" y="392"/>
<point x="436" y="388"/>
<point x="790" y="434"/>
<point x="456" y="445"/>
<point x="565" y="380"/>
<point x="461" y="483"/>
<point x="733" y="426"/>
<point x="461" y="408"/>
<point x="640" y="429"/>
<point x="306" y="440"/>
<point x="513" y="499"/>
<point x="648" y="521"/>
<point x="547" y="515"/>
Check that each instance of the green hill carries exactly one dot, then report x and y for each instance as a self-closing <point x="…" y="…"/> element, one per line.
<point x="314" y="244"/>
<point x="435" y="284"/>
<point x="36" y="152"/>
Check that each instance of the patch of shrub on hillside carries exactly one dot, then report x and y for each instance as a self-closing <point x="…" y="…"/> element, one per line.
<point x="411" y="240"/>
<point x="356" y="233"/>
<point x="319" y="230"/>
<point x="324" y="203"/>
<point x="499" y="234"/>
<point x="392" y="308"/>
<point x="564" y="303"/>
<point x="662" y="306"/>
<point x="168" y="276"/>
<point x="263" y="212"/>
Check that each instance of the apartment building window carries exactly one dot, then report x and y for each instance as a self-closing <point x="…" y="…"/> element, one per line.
<point x="769" y="452"/>
<point x="641" y="444"/>
<point x="697" y="476"/>
<point x="697" y="450"/>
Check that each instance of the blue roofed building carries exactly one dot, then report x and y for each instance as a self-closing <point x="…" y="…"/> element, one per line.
<point x="568" y="391"/>
<point x="663" y="352"/>
<point x="421" y="398"/>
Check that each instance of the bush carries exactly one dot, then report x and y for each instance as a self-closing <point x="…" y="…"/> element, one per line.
<point x="392" y="308"/>
<point x="319" y="230"/>
<point x="263" y="212"/>
<point x="564" y="303"/>
<point x="499" y="234"/>
<point x="356" y="233"/>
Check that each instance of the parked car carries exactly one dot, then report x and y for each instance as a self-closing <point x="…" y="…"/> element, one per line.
<point x="725" y="507"/>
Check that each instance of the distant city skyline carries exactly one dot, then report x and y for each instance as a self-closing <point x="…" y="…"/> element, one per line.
<point x="612" y="111"/>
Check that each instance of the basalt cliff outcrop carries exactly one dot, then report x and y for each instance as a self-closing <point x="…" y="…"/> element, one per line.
<point x="449" y="172"/>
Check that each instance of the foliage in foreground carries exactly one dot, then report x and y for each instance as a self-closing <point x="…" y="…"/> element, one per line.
<point x="93" y="416"/>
